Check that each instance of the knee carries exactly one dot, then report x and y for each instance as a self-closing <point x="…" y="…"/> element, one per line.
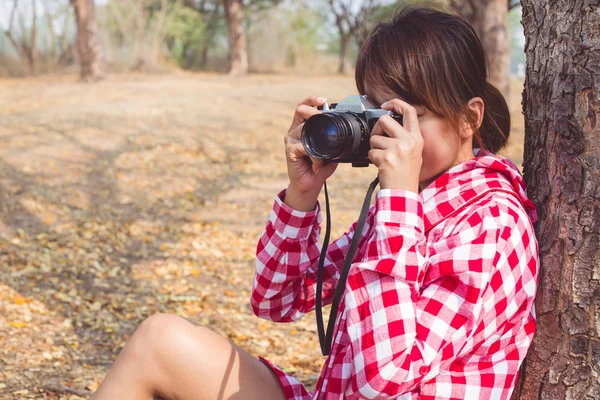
<point x="158" y="327"/>
<point x="164" y="337"/>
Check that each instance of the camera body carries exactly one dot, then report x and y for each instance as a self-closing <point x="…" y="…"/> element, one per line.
<point x="341" y="133"/>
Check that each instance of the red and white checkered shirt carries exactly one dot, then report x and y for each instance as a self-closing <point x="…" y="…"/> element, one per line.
<point x="439" y="302"/>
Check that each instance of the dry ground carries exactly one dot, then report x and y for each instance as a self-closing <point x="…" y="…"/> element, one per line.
<point x="145" y="194"/>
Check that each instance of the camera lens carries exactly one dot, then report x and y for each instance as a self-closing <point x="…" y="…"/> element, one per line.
<point x="323" y="135"/>
<point x="331" y="135"/>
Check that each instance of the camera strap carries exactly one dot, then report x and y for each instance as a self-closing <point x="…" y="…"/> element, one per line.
<point x="326" y="339"/>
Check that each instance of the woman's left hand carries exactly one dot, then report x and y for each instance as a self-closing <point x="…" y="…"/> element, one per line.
<point x="399" y="156"/>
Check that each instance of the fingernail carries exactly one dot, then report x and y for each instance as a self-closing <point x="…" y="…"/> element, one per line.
<point x="321" y="99"/>
<point x="387" y="103"/>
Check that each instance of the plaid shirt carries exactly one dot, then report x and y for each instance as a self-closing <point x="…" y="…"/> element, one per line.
<point x="439" y="302"/>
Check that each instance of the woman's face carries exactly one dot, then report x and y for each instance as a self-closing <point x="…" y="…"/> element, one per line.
<point x="443" y="146"/>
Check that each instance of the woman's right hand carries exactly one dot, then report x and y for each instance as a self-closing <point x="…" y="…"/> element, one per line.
<point x="306" y="174"/>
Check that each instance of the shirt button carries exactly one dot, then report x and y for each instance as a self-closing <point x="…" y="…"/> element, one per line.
<point x="414" y="296"/>
<point x="424" y="370"/>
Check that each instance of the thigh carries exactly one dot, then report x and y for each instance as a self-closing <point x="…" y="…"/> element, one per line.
<point x="201" y="364"/>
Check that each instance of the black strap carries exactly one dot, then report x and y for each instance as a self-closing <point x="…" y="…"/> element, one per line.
<point x="319" y="298"/>
<point x="326" y="340"/>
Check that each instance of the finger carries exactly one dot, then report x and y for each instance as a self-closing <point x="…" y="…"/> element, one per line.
<point x="382" y="142"/>
<point x="410" y="118"/>
<point x="296" y="151"/>
<point x="296" y="133"/>
<point x="296" y="147"/>
<point x="403" y="145"/>
<point x="306" y="109"/>
<point x="316" y="164"/>
<point x="313" y="101"/>
<point x="376" y="156"/>
<point x="303" y="112"/>
<point x="386" y="125"/>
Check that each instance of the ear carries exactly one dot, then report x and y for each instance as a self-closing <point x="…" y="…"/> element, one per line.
<point x="476" y="108"/>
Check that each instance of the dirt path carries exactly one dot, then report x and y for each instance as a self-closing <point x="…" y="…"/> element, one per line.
<point x="138" y="195"/>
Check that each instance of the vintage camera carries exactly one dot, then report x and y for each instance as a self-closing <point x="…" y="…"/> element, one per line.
<point x="342" y="132"/>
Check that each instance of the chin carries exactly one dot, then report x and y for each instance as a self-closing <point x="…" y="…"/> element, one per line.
<point x="426" y="179"/>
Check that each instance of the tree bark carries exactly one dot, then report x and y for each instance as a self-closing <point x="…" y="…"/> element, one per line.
<point x="562" y="171"/>
<point x="238" y="56"/>
<point x="88" y="44"/>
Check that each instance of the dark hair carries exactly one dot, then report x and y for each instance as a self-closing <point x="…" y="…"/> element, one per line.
<point x="429" y="56"/>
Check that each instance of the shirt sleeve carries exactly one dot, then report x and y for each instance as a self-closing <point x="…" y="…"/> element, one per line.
<point x="287" y="258"/>
<point x="402" y="333"/>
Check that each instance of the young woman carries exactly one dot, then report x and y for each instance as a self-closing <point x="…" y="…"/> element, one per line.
<point x="439" y="300"/>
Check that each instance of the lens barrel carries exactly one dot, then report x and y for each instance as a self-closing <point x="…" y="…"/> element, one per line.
<point x="330" y="136"/>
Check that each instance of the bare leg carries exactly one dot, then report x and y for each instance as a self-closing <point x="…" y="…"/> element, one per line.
<point x="169" y="357"/>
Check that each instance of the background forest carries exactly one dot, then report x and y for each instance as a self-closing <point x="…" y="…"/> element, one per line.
<point x="38" y="36"/>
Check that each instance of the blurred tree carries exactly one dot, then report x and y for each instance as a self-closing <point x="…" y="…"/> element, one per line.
<point x="238" y="56"/>
<point x="379" y="13"/>
<point x="490" y="20"/>
<point x="292" y="36"/>
<point x="50" y="28"/>
<point x="351" y="22"/>
<point x="304" y="27"/>
<point x="468" y="7"/>
<point x="61" y="47"/>
<point x="142" y="27"/>
<point x="517" y="42"/>
<point x="185" y="35"/>
<point x="24" y="44"/>
<point x="234" y="14"/>
<point x="562" y="170"/>
<point x="212" y="14"/>
<point x="42" y="34"/>
<point x="91" y="58"/>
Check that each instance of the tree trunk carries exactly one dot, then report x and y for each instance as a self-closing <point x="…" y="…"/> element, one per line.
<point x="562" y="170"/>
<point x="344" y="41"/>
<point x="88" y="43"/>
<point x="51" y="33"/>
<point x="32" y="48"/>
<point x="489" y="19"/>
<point x="238" y="56"/>
<point x="493" y="32"/>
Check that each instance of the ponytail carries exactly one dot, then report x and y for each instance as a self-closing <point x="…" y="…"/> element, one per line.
<point x="495" y="128"/>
